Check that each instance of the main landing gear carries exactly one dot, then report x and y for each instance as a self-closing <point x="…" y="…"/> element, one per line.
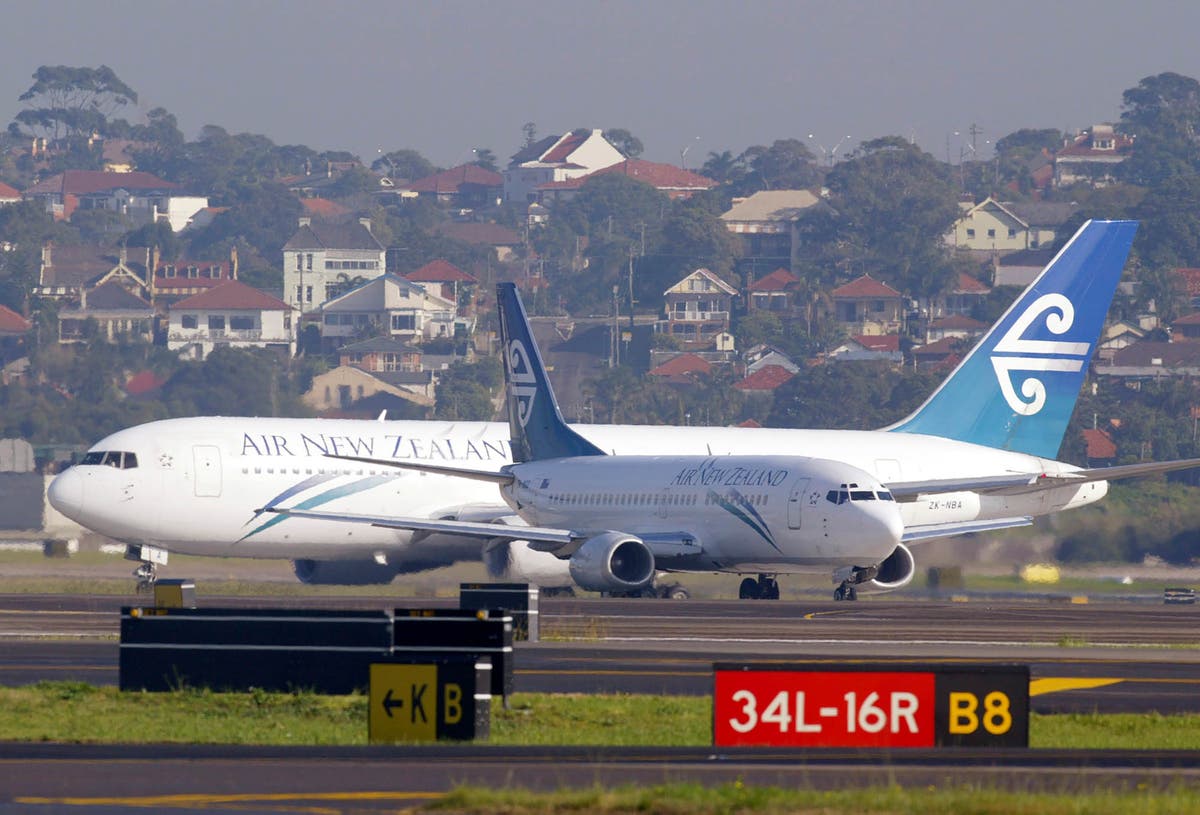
<point x="846" y="591"/>
<point x="765" y="588"/>
<point x="850" y="577"/>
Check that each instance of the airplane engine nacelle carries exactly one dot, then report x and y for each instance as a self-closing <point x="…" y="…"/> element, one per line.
<point x="612" y="562"/>
<point x="895" y="571"/>
<point x="515" y="560"/>
<point x="343" y="572"/>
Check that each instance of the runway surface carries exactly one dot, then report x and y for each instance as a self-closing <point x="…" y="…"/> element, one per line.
<point x="1108" y="657"/>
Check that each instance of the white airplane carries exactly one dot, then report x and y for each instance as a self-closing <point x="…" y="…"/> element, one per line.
<point x="617" y="520"/>
<point x="978" y="455"/>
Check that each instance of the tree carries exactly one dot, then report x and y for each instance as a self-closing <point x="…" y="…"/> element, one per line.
<point x="1163" y="113"/>
<point x="404" y="163"/>
<point x="161" y="142"/>
<point x="724" y="167"/>
<point x="1018" y="153"/>
<point x="787" y="164"/>
<point x="629" y="144"/>
<point x="158" y="233"/>
<point x="486" y="159"/>
<point x="67" y="102"/>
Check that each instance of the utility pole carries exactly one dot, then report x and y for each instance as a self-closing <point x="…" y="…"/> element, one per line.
<point x="615" y="349"/>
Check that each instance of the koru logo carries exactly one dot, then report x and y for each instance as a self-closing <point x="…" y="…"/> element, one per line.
<point x="1037" y="355"/>
<point x="522" y="384"/>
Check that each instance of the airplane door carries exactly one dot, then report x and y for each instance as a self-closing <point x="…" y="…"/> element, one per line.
<point x="795" y="502"/>
<point x="663" y="500"/>
<point x="207" y="460"/>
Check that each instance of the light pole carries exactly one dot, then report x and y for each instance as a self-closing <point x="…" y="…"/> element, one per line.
<point x="828" y="156"/>
<point x="384" y="158"/>
<point x="683" y="151"/>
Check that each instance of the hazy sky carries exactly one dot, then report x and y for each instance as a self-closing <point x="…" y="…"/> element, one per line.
<point x="444" y="77"/>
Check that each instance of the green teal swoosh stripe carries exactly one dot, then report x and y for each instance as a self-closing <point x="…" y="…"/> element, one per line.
<point x="739" y="511"/>
<point x="362" y="485"/>
<point x="295" y="489"/>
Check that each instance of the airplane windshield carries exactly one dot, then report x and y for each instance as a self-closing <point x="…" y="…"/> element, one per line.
<point x="852" y="492"/>
<point x="112" y="458"/>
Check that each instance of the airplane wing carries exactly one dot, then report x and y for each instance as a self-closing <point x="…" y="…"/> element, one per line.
<point x="1018" y="483"/>
<point x="554" y="539"/>
<point x="915" y="534"/>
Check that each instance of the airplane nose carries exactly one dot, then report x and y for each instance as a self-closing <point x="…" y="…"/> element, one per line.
<point x="886" y="526"/>
<point x="66" y="493"/>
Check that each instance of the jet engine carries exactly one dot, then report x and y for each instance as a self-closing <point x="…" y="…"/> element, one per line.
<point x="365" y="572"/>
<point x="895" y="571"/>
<point x="515" y="560"/>
<point x="613" y="562"/>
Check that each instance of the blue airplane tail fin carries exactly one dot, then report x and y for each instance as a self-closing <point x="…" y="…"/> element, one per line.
<point x="536" y="425"/>
<point x="1016" y="389"/>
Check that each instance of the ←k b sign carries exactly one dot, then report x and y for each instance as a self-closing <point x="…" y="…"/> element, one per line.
<point x="870" y="706"/>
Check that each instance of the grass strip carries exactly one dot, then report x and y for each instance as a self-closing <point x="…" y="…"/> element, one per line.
<point x="78" y="712"/>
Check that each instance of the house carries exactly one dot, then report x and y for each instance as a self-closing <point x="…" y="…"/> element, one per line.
<point x="1116" y="336"/>
<point x="142" y="197"/>
<point x="347" y="386"/>
<point x="1101" y="449"/>
<point x="234" y="315"/>
<point x="466" y="186"/>
<point x="765" y="380"/>
<point x="868" y="306"/>
<point x="774" y="292"/>
<point x="1003" y="227"/>
<point x="391" y="306"/>
<point x="113" y="310"/>
<point x="501" y="239"/>
<point x="8" y="195"/>
<point x="444" y="279"/>
<point x="954" y="325"/>
<point x="324" y="209"/>
<point x="968" y="293"/>
<point x="941" y="354"/>
<point x="1091" y="157"/>
<point x="675" y="182"/>
<point x="1186" y="327"/>
<point x="697" y="309"/>
<point x="1188" y="284"/>
<point x="767" y="224"/>
<point x="66" y="272"/>
<point x="13" y="330"/>
<point x="323" y="259"/>
<point x="381" y="355"/>
<point x="869" y="348"/>
<point x="557" y="158"/>
<point x="180" y="278"/>
<point x="760" y="356"/>
<point x="1020" y="268"/>
<point x="682" y="369"/>
<point x="1153" y="360"/>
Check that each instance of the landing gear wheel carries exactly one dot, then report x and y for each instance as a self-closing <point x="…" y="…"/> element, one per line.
<point x="846" y="591"/>
<point x="768" y="588"/>
<point x="147" y="576"/>
<point x="677" y="592"/>
<point x="748" y="590"/>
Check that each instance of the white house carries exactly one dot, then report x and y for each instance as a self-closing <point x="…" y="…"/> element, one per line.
<point x="389" y="305"/>
<point x="231" y="314"/>
<point x="323" y="260"/>
<point x="557" y="158"/>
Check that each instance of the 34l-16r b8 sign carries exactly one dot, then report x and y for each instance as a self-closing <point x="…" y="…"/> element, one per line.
<point x="870" y="706"/>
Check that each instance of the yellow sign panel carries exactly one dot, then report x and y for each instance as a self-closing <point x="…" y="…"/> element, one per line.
<point x="403" y="703"/>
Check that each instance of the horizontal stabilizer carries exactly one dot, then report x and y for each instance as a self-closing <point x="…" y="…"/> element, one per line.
<point x="914" y="534"/>
<point x="434" y="469"/>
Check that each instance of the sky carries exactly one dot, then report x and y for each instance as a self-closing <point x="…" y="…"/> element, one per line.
<point x="686" y="78"/>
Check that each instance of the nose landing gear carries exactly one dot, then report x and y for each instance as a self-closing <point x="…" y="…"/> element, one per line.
<point x="149" y="559"/>
<point x="765" y="588"/>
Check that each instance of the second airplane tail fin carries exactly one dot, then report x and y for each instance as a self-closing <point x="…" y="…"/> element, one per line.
<point x="537" y="428"/>
<point x="1016" y="389"/>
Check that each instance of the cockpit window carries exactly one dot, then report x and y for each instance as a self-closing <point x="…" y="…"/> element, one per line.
<point x="862" y="495"/>
<point x="852" y="492"/>
<point x="112" y="458"/>
<point x="884" y="495"/>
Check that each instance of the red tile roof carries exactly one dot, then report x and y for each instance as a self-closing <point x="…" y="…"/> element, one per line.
<point x="777" y="280"/>
<point x="233" y="294"/>
<point x="485" y="234"/>
<point x="84" y="182"/>
<point x="8" y="192"/>
<point x="1191" y="319"/>
<point x="440" y="271"/>
<point x="448" y="181"/>
<point x="11" y="322"/>
<point x="749" y="423"/>
<point x="884" y="343"/>
<point x="944" y="346"/>
<point x="970" y="285"/>
<point x="660" y="176"/>
<point x="565" y="147"/>
<point x="680" y="365"/>
<point x="323" y="208"/>
<point x="1190" y="280"/>
<point x="865" y="286"/>
<point x="1099" y="444"/>
<point x="143" y="382"/>
<point x="766" y="378"/>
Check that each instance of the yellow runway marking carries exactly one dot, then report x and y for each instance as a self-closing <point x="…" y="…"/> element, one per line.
<point x="1037" y="687"/>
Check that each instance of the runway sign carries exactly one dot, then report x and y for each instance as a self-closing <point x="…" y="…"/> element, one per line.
<point x="802" y="705"/>
<point x="430" y="702"/>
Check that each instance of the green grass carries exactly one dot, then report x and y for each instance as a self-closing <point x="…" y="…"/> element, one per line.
<point x="77" y="712"/>
<point x="730" y="799"/>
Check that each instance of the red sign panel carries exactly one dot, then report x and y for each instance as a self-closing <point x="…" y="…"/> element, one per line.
<point x="823" y="709"/>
